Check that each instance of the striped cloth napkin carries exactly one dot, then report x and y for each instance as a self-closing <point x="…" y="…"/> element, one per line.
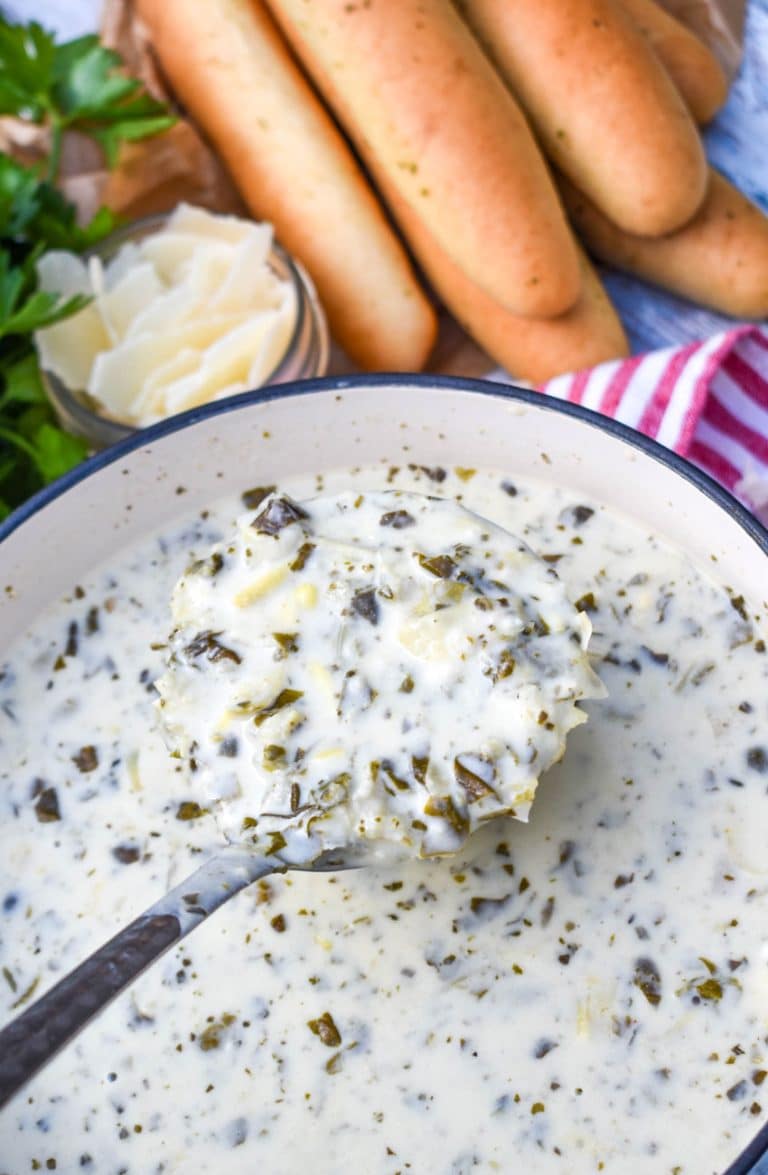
<point x="706" y="400"/>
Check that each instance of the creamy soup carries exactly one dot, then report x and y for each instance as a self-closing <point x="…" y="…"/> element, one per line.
<point x="587" y="992"/>
<point x="379" y="669"/>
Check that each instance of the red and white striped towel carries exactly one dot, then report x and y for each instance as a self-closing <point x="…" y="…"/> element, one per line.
<point x="708" y="401"/>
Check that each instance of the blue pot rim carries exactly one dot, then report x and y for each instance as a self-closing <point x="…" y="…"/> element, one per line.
<point x="691" y="473"/>
<point x="711" y="489"/>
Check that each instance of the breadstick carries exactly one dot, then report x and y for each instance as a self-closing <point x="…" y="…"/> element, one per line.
<point x="533" y="349"/>
<point x="231" y="69"/>
<point x="422" y="102"/>
<point x="603" y="106"/>
<point x="719" y="259"/>
<point x="692" y="66"/>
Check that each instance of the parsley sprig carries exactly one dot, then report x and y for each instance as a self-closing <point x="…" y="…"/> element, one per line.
<point x="76" y="85"/>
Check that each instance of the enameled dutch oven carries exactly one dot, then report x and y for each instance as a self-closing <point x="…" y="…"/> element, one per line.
<point x="317" y="425"/>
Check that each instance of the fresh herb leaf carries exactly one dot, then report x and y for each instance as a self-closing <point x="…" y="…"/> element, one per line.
<point x="22" y="383"/>
<point x="31" y="209"/>
<point x="92" y="94"/>
<point x="23" y="310"/>
<point x="76" y="85"/>
<point x="27" y="54"/>
<point x="56" y="451"/>
<point x="33" y="449"/>
<point x="19" y="196"/>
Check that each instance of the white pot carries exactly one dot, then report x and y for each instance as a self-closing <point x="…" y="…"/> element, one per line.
<point x="263" y="437"/>
<point x="116" y="496"/>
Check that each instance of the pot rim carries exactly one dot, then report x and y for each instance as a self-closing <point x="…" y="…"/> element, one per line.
<point x="622" y="432"/>
<point x="757" y="1148"/>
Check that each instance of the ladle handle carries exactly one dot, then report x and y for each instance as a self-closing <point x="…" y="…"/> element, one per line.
<point x="34" y="1038"/>
<point x="38" y="1034"/>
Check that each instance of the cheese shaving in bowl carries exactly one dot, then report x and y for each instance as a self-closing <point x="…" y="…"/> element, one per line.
<point x="192" y="312"/>
<point x="385" y="666"/>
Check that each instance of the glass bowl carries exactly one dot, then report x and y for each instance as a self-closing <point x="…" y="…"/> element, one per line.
<point x="305" y="357"/>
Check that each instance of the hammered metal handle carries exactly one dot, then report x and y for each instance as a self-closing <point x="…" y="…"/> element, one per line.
<point x="38" y="1034"/>
<point x="34" y="1038"/>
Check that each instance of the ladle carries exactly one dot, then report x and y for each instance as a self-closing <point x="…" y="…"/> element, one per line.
<point x="34" y="1037"/>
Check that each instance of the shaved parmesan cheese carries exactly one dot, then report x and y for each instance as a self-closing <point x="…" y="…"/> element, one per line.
<point x="118" y="375"/>
<point x="120" y="305"/>
<point x="121" y="263"/>
<point x="182" y="364"/>
<point x="188" y="219"/>
<point x="68" y="347"/>
<point x="191" y="313"/>
<point x="263" y="361"/>
<point x="170" y="253"/>
<point x="176" y="305"/>
<point x="227" y="363"/>
<point x="63" y="273"/>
